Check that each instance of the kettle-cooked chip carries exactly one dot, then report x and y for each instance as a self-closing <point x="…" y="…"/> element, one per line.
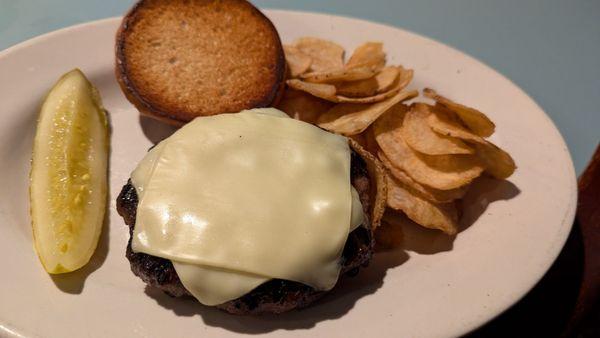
<point x="419" y="135"/>
<point x="442" y="172"/>
<point x="377" y="98"/>
<point x="325" y="54"/>
<point x="369" y="54"/>
<point x="302" y="106"/>
<point x="350" y="119"/>
<point x="322" y="90"/>
<point x="430" y="215"/>
<point x="339" y="74"/>
<point x="427" y="154"/>
<point x="497" y="161"/>
<point x="388" y="76"/>
<point x="475" y="120"/>
<point x="400" y="82"/>
<point x="430" y="194"/>
<point x="378" y="192"/>
<point x="381" y="82"/>
<point x="298" y="62"/>
<point x="361" y="88"/>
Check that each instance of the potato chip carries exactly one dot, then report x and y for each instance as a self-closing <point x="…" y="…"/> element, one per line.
<point x="383" y="81"/>
<point x="378" y="184"/>
<point x="401" y="84"/>
<point x="374" y="98"/>
<point x="328" y="91"/>
<point x="430" y="194"/>
<point x="430" y="215"/>
<point x="421" y="158"/>
<point x="418" y="134"/>
<point x="361" y="88"/>
<point x="369" y="55"/>
<point x="352" y="119"/>
<point x="444" y="172"/>
<point x="475" y="120"/>
<point x="497" y="162"/>
<point x="388" y="76"/>
<point x="444" y="121"/>
<point x="403" y="80"/>
<point x="322" y="90"/>
<point x="298" y="62"/>
<point x="302" y="106"/>
<point x="339" y="74"/>
<point x="389" y="235"/>
<point x="325" y="54"/>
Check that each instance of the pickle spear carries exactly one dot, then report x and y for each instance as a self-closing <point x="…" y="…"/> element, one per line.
<point x="68" y="178"/>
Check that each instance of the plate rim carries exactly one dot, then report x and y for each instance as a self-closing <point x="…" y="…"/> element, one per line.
<point x="566" y="222"/>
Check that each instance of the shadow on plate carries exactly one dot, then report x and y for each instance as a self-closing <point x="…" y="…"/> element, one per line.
<point x="73" y="282"/>
<point x="16" y="159"/>
<point x="484" y="191"/>
<point x="154" y="130"/>
<point x="334" y="305"/>
<point x="481" y="194"/>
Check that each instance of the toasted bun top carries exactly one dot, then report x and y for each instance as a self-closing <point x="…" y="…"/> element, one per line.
<point x="179" y="59"/>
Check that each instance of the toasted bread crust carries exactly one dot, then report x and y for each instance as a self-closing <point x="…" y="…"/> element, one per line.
<point x="176" y="59"/>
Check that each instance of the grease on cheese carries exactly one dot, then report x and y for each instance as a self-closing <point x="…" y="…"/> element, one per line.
<point x="235" y="200"/>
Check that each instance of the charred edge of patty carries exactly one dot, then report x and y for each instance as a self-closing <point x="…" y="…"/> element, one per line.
<point x="274" y="296"/>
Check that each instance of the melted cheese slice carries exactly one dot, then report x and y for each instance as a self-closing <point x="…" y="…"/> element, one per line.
<point x="235" y="200"/>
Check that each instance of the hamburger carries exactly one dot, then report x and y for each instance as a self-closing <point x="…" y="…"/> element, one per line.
<point x="274" y="294"/>
<point x="242" y="208"/>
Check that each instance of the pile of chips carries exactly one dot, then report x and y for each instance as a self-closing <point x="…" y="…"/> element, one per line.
<point x="432" y="152"/>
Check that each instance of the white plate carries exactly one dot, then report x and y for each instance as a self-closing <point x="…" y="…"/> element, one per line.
<point x="436" y="287"/>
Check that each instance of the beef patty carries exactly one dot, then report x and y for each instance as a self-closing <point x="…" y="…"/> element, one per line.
<point x="274" y="296"/>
